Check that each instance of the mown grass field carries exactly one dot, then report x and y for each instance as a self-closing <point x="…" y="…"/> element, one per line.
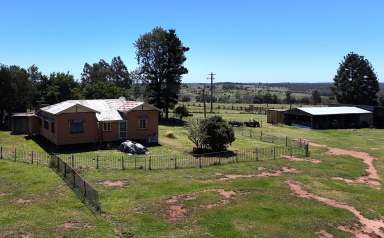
<point x="262" y="206"/>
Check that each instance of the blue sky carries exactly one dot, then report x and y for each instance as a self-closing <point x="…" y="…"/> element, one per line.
<point x="243" y="41"/>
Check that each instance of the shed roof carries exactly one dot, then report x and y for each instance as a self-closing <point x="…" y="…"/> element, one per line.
<point x="318" y="111"/>
<point x="106" y="109"/>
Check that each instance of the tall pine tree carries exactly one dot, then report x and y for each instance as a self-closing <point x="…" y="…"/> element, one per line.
<point x="356" y="81"/>
<point x="160" y="54"/>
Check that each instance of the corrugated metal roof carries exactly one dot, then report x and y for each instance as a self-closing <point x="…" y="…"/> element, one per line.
<point x="318" y="111"/>
<point x="106" y="109"/>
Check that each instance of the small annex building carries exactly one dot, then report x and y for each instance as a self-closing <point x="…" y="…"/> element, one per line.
<point x="276" y="116"/>
<point x="339" y="117"/>
<point x="94" y="121"/>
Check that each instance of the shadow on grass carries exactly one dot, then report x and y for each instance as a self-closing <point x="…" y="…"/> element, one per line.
<point x="173" y="122"/>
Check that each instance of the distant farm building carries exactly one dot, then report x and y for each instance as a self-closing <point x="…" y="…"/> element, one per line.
<point x="275" y="116"/>
<point x="329" y="117"/>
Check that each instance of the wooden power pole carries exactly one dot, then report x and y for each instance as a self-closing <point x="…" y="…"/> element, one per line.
<point x="205" y="108"/>
<point x="211" y="77"/>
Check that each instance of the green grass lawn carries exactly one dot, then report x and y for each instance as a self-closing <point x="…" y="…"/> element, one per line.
<point x="262" y="207"/>
<point x="35" y="201"/>
<point x="265" y="206"/>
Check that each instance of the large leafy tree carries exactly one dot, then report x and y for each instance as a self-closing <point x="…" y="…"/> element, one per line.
<point x="104" y="80"/>
<point x="61" y="87"/>
<point x="161" y="56"/>
<point x="15" y="89"/>
<point x="213" y="133"/>
<point x="356" y="81"/>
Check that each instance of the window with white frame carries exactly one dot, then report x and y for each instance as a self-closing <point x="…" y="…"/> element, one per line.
<point x="107" y="126"/>
<point x="143" y="123"/>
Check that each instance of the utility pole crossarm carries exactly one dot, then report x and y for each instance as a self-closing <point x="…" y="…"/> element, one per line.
<point x="211" y="77"/>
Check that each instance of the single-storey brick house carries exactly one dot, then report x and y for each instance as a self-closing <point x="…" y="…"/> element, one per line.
<point x="98" y="121"/>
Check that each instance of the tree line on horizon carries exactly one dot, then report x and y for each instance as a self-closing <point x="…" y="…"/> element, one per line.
<point x="161" y="56"/>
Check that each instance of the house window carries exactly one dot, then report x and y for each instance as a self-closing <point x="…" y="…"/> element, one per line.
<point x="143" y="123"/>
<point x="107" y="126"/>
<point x="76" y="126"/>
<point x="46" y="125"/>
<point x="53" y="127"/>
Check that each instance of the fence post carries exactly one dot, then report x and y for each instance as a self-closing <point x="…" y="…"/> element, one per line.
<point x="85" y="189"/>
<point x="74" y="178"/>
<point x="65" y="170"/>
<point x="97" y="162"/>
<point x="219" y="160"/>
<point x="122" y="163"/>
<point x="175" y="163"/>
<point x="261" y="135"/>
<point x="15" y="153"/>
<point x="1" y="152"/>
<point x="274" y="152"/>
<point x="135" y="162"/>
<point x="145" y="162"/>
<point x="32" y="157"/>
<point x="150" y="165"/>
<point x="73" y="160"/>
<point x="199" y="161"/>
<point x="286" y="141"/>
<point x="306" y="149"/>
<point x="257" y="154"/>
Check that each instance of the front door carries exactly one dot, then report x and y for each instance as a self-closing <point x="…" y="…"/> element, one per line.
<point x="123" y="130"/>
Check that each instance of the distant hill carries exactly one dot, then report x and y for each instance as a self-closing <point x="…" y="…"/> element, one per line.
<point x="323" y="88"/>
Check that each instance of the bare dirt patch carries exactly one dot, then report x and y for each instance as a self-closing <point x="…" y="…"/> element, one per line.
<point x="275" y="173"/>
<point x="324" y="234"/>
<point x="114" y="183"/>
<point x="75" y="225"/>
<point x="293" y="158"/>
<point x="3" y="194"/>
<point x="367" y="227"/>
<point x="11" y="234"/>
<point x="371" y="177"/>
<point x="176" y="210"/>
<point x="24" y="201"/>
<point x="317" y="145"/>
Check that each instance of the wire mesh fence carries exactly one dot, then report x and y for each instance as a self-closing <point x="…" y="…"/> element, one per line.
<point x="29" y="157"/>
<point x="149" y="162"/>
<point x="72" y="178"/>
<point x="273" y="139"/>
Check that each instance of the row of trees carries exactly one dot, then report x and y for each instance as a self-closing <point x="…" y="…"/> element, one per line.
<point x="266" y="98"/>
<point x="160" y="55"/>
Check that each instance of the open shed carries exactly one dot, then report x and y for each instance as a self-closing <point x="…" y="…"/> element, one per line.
<point x="25" y="123"/>
<point x="275" y="116"/>
<point x="329" y="117"/>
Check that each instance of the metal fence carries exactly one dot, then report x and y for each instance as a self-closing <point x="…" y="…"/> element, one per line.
<point x="149" y="162"/>
<point x="278" y="140"/>
<point x="69" y="174"/>
<point x="29" y="157"/>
